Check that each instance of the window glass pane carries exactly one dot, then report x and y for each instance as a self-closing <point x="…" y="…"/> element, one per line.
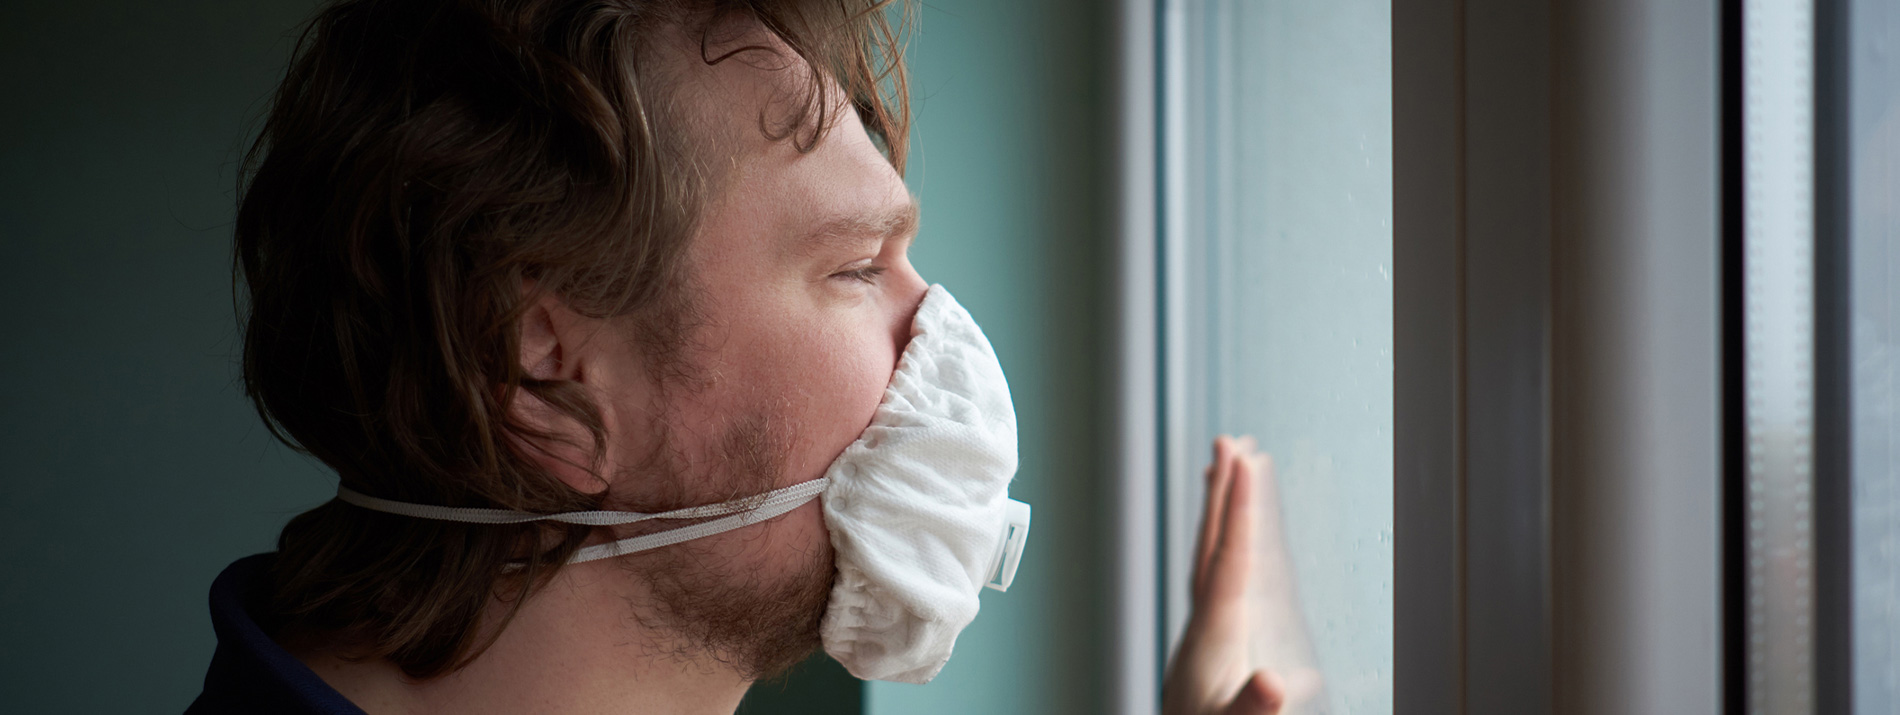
<point x="1283" y="233"/>
<point x="1778" y="333"/>
<point x="1874" y="145"/>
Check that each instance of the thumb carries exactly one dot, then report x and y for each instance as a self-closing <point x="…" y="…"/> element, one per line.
<point x="1263" y="694"/>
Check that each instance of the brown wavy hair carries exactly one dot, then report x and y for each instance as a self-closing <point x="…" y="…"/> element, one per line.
<point x="422" y="161"/>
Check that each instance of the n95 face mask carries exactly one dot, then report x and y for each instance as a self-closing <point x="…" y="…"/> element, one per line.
<point x="918" y="507"/>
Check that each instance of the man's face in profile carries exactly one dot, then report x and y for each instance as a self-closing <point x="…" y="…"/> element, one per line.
<point x="802" y="298"/>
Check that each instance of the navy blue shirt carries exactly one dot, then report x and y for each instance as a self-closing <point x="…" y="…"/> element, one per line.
<point x="250" y="673"/>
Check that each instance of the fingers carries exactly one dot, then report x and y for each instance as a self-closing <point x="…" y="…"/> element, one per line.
<point x="1263" y="694"/>
<point x="1232" y="558"/>
<point x="1218" y="475"/>
<point x="1208" y="674"/>
<point x="1265" y="480"/>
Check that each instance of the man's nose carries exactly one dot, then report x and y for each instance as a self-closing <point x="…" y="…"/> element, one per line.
<point x="907" y="291"/>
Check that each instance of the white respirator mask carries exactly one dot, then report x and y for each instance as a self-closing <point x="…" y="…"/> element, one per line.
<point x="918" y="507"/>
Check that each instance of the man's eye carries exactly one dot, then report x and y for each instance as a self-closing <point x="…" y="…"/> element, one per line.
<point x="867" y="274"/>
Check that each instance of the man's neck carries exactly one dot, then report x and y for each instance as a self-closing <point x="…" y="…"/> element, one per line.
<point x="573" y="648"/>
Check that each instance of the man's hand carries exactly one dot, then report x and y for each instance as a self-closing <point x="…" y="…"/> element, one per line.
<point x="1210" y="674"/>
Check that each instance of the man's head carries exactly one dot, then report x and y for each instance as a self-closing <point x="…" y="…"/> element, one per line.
<point x="551" y="256"/>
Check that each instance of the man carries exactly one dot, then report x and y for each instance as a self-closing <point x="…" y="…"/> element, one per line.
<point x="552" y="256"/>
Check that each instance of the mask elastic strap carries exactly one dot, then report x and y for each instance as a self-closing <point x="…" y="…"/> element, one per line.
<point x="735" y="514"/>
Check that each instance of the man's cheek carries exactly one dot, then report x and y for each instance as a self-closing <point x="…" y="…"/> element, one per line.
<point x="840" y="397"/>
<point x="861" y="383"/>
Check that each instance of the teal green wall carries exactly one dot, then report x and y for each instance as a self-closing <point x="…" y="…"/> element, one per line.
<point x="134" y="470"/>
<point x="1011" y="164"/>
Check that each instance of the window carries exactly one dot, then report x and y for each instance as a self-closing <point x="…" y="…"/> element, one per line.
<point x="1872" y="175"/>
<point x="1277" y="313"/>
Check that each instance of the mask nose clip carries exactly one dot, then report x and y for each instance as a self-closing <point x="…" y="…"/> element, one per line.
<point x="1009" y="553"/>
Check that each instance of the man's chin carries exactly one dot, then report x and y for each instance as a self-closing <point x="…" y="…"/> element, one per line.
<point x="758" y="628"/>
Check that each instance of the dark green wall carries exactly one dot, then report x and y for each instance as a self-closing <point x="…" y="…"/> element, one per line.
<point x="134" y="470"/>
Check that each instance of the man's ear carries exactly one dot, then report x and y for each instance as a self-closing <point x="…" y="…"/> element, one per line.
<point x="541" y="354"/>
<point x="549" y="352"/>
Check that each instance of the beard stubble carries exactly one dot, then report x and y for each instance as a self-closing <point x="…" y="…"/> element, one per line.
<point x="758" y="622"/>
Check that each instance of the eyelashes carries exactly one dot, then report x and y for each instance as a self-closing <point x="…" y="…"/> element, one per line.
<point x="867" y="274"/>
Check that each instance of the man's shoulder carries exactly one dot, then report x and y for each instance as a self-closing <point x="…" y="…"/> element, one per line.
<point x="250" y="672"/>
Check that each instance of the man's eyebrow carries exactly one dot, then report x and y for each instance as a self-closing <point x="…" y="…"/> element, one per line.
<point x="895" y="222"/>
